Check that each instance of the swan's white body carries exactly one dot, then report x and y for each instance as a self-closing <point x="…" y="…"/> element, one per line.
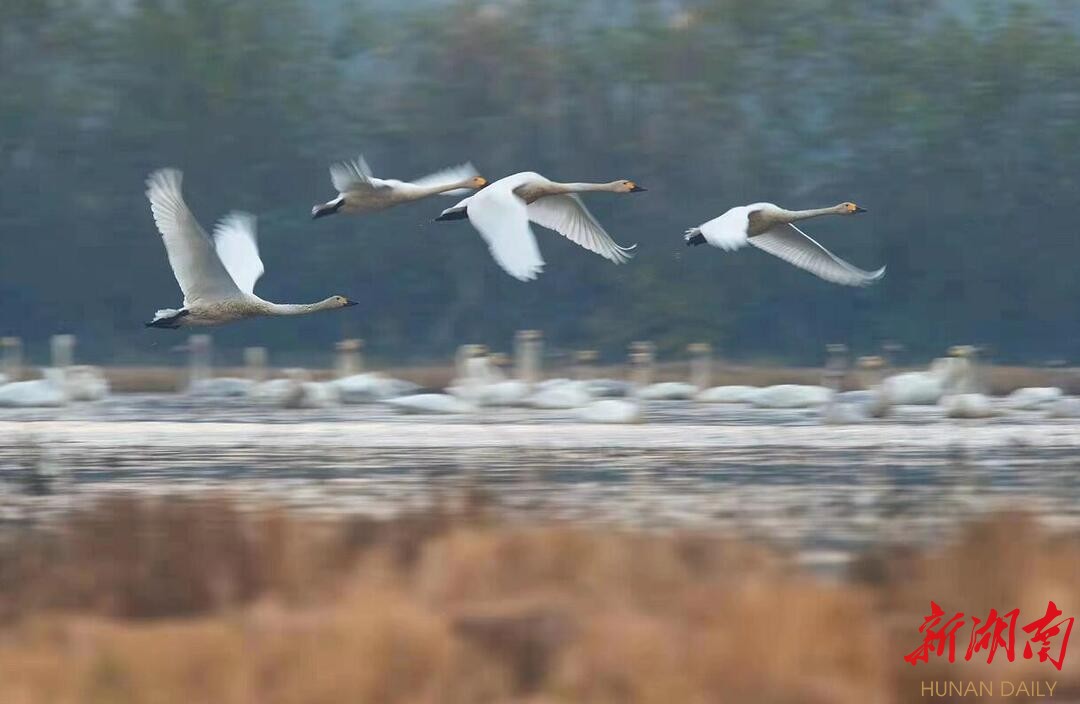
<point x="371" y="387"/>
<point x="59" y="387"/>
<point x="80" y="382"/>
<point x="927" y="388"/>
<point x="561" y="394"/>
<point x="791" y="396"/>
<point x="854" y="407"/>
<point x="1065" y="407"/>
<point x="484" y="384"/>
<point x="295" y="391"/>
<point x="769" y="227"/>
<point x="727" y="394"/>
<point x="508" y="392"/>
<point x="615" y="411"/>
<point x="31" y="394"/>
<point x="360" y="191"/>
<point x="962" y="398"/>
<point x="216" y="277"/>
<point x="503" y="211"/>
<point x="968" y="406"/>
<point x="1033" y="398"/>
<point x="443" y="404"/>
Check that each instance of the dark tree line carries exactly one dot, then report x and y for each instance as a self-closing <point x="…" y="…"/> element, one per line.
<point x="955" y="123"/>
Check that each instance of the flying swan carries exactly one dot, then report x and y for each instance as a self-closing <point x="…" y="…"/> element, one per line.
<point x="359" y="191"/>
<point x="769" y="227"/>
<point x="217" y="278"/>
<point x="502" y="213"/>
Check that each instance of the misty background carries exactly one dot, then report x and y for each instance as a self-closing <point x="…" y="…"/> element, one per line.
<point x="954" y="123"/>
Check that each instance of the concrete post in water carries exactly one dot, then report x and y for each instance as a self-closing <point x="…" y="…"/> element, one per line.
<point x="497" y="362"/>
<point x="350" y="357"/>
<point x="700" y="364"/>
<point x="63" y="350"/>
<point x="199" y="361"/>
<point x="255" y="363"/>
<point x="642" y="356"/>
<point x="871" y="370"/>
<point x="836" y="365"/>
<point x="528" y="351"/>
<point x="583" y="363"/>
<point x="12" y="363"/>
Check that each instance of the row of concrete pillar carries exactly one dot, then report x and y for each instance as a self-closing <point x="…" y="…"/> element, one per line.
<point x="528" y="354"/>
<point x="62" y="349"/>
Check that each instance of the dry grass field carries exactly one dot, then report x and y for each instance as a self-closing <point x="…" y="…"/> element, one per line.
<point x="180" y="600"/>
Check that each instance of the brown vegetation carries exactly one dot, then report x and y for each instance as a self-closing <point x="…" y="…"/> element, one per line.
<point x="182" y="600"/>
<point x="1001" y="380"/>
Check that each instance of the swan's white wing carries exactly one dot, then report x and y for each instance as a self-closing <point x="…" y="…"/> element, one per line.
<point x="794" y="246"/>
<point x="568" y="216"/>
<point x="351" y="175"/>
<point x="453" y="174"/>
<point x="729" y="230"/>
<point x="194" y="262"/>
<point x="234" y="240"/>
<point x="503" y="221"/>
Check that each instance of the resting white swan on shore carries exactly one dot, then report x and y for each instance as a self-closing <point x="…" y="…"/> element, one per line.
<point x="769" y="227"/>
<point x="217" y="278"/>
<point x="501" y="213"/>
<point x="359" y="191"/>
<point x="30" y="394"/>
<point x="1033" y="398"/>
<point x="791" y="396"/>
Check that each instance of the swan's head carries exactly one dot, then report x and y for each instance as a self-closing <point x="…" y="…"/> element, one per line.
<point x="625" y="186"/>
<point x="850" y="209"/>
<point x="477" y="182"/>
<point x="340" y="302"/>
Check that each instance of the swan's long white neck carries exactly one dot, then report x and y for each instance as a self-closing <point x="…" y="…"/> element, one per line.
<point x="425" y="191"/>
<point x="794" y="215"/>
<point x="298" y="308"/>
<point x="582" y="187"/>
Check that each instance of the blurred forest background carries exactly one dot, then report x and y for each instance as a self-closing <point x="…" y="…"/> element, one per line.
<point x="955" y="123"/>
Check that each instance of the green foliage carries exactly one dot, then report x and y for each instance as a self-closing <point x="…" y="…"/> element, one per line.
<point x="953" y="122"/>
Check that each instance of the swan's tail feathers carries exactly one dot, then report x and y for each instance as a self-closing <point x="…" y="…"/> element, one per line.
<point x="167" y="318"/>
<point x="694" y="237"/>
<point x="455" y="213"/>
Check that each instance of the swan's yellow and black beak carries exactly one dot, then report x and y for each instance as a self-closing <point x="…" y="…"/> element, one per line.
<point x="638" y="189"/>
<point x="350" y="302"/>
<point x="859" y="210"/>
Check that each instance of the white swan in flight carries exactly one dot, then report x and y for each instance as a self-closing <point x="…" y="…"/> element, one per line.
<point x="359" y="191"/>
<point x="217" y="278"/>
<point x="502" y="213"/>
<point x="769" y="227"/>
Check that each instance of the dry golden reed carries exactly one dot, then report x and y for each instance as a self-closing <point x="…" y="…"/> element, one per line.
<point x="179" y="600"/>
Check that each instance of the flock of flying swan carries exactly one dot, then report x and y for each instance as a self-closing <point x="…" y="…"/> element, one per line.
<point x="217" y="274"/>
